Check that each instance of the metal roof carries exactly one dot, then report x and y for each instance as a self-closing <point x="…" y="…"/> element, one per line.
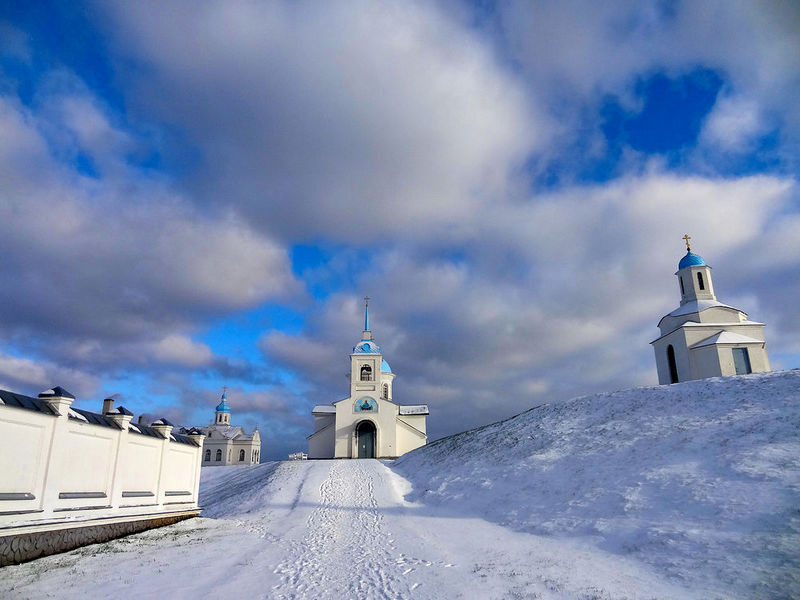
<point x="414" y="409"/>
<point x="26" y="402"/>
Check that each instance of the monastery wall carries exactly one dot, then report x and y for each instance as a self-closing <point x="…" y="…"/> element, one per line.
<point x="68" y="478"/>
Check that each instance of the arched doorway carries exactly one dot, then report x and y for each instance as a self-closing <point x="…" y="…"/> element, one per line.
<point x="365" y="439"/>
<point x="673" y="368"/>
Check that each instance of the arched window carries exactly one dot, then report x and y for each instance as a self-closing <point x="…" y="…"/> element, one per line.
<point x="386" y="391"/>
<point x="241" y="455"/>
<point x="673" y="367"/>
<point x="366" y="373"/>
<point x="700" y="281"/>
<point x="680" y="278"/>
<point x="208" y="456"/>
<point x="219" y="455"/>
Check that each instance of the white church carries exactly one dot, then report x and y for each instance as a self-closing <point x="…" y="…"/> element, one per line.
<point x="367" y="424"/>
<point x="226" y="444"/>
<point x="704" y="337"/>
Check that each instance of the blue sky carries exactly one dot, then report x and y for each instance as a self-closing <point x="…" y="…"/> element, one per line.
<point x="199" y="194"/>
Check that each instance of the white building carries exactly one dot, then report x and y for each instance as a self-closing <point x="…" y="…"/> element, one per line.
<point x="227" y="444"/>
<point x="704" y="337"/>
<point x="367" y="424"/>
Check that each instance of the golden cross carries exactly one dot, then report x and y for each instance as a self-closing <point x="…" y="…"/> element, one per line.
<point x="686" y="238"/>
<point x="366" y="300"/>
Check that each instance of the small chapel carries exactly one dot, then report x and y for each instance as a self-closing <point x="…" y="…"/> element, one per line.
<point x="704" y="337"/>
<point x="368" y="423"/>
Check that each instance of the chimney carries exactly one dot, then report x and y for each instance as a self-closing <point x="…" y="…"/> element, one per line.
<point x="108" y="405"/>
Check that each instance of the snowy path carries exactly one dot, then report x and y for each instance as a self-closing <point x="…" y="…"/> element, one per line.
<point x="330" y="529"/>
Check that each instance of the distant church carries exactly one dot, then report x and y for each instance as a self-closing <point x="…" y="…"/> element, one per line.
<point x="227" y="444"/>
<point x="703" y="337"/>
<point x="367" y="424"/>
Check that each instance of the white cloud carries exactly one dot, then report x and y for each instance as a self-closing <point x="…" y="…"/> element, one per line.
<point x="732" y="125"/>
<point x="183" y="351"/>
<point x="34" y="376"/>
<point x="118" y="257"/>
<point x="349" y="121"/>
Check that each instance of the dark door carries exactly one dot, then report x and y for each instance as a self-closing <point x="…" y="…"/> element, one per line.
<point x="673" y="368"/>
<point x="366" y="439"/>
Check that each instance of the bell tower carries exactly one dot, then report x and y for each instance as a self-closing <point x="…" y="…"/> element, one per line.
<point x="365" y="362"/>
<point x="694" y="277"/>
<point x="222" y="414"/>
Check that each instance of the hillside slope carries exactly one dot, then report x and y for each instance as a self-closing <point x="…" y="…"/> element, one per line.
<point x="699" y="480"/>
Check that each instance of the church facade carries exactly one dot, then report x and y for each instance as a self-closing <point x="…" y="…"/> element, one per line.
<point x="226" y="444"/>
<point x="704" y="337"/>
<point x="368" y="423"/>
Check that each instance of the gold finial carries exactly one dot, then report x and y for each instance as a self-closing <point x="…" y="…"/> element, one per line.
<point x="686" y="238"/>
<point x="366" y="300"/>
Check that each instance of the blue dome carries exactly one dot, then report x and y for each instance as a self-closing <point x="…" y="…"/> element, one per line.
<point x="366" y="347"/>
<point x="691" y="260"/>
<point x="385" y="368"/>
<point x="223" y="406"/>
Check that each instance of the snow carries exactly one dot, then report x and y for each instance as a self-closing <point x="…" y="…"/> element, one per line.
<point x="700" y="481"/>
<point x="683" y="491"/>
<point x="414" y="409"/>
<point x="696" y="306"/>
<point x="726" y="337"/>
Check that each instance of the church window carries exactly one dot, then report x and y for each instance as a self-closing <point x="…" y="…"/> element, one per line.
<point x="241" y="455"/>
<point x="700" y="281"/>
<point x="218" y="456"/>
<point x="741" y="361"/>
<point x="366" y="373"/>
<point x="673" y="367"/>
<point x="680" y="278"/>
<point x="386" y="391"/>
<point x="208" y="456"/>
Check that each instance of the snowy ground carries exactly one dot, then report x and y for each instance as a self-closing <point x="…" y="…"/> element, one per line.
<point x="700" y="480"/>
<point x="686" y="491"/>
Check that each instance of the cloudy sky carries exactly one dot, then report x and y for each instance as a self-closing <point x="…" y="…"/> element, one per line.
<point x="199" y="194"/>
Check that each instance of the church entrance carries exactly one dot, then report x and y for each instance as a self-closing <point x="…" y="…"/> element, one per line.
<point x="365" y="438"/>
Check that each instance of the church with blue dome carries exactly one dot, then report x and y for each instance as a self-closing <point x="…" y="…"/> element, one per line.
<point x="227" y="444"/>
<point x="368" y="423"/>
<point x="704" y="337"/>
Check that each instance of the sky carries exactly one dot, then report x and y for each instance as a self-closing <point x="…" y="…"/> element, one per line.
<point x="198" y="194"/>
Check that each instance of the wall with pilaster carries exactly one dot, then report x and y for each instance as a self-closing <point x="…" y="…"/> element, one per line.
<point x="57" y="470"/>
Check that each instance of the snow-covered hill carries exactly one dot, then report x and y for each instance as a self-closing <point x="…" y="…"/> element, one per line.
<point x="699" y="480"/>
<point x="687" y="492"/>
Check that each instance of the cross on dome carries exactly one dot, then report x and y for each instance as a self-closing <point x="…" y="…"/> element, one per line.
<point x="686" y="238"/>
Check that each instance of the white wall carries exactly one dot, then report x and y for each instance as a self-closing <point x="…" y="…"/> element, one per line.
<point x="56" y="468"/>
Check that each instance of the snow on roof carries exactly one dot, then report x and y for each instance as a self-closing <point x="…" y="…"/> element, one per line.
<point x="324" y="409"/>
<point x="414" y="409"/>
<point x="739" y="324"/>
<point x="698" y="306"/>
<point x="76" y="415"/>
<point x="726" y="337"/>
